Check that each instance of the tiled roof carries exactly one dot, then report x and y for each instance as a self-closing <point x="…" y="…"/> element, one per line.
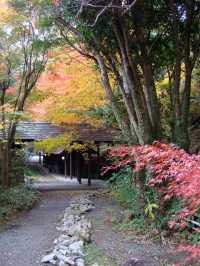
<point x="43" y="130"/>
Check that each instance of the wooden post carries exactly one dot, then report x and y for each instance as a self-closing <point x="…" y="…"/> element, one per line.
<point x="78" y="167"/>
<point x="40" y="158"/>
<point x="89" y="168"/>
<point x="98" y="159"/>
<point x="65" y="162"/>
<point x="44" y="161"/>
<point x="70" y="162"/>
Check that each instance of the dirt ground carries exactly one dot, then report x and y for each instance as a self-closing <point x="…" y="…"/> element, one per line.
<point x="123" y="246"/>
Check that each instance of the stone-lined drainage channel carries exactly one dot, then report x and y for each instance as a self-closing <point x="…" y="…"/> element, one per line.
<point x="74" y="232"/>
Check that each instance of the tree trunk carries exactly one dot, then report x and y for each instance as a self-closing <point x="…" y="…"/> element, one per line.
<point x="5" y="163"/>
<point x="140" y="179"/>
<point x="110" y="96"/>
<point x="133" y="86"/>
<point x="176" y="110"/>
<point x="186" y="107"/>
<point x="151" y="99"/>
<point x="144" y="49"/>
<point x="187" y="54"/>
<point x="119" y="77"/>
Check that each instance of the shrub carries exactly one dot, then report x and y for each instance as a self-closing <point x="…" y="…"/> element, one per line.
<point x="32" y="171"/>
<point x="16" y="198"/>
<point x="123" y="189"/>
<point x="4" y="211"/>
<point x="17" y="166"/>
<point x="170" y="172"/>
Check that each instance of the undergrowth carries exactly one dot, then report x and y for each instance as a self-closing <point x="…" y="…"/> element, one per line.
<point x="16" y="199"/>
<point x="150" y="218"/>
<point x="153" y="219"/>
<point x="93" y="254"/>
<point x="32" y="171"/>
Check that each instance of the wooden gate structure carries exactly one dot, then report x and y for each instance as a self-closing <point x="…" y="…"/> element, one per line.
<point x="77" y="164"/>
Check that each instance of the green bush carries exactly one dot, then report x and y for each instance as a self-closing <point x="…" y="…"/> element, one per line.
<point x="31" y="171"/>
<point x="16" y="198"/>
<point x="123" y="189"/>
<point x="17" y="166"/>
<point x="155" y="217"/>
<point x="4" y="211"/>
<point x="128" y="194"/>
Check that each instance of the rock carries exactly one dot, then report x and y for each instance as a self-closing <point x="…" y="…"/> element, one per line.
<point x="80" y="229"/>
<point x="66" y="260"/>
<point x="85" y="209"/>
<point x="67" y="242"/>
<point x="48" y="258"/>
<point x="55" y="241"/>
<point x="135" y="262"/>
<point x="63" y="251"/>
<point x="64" y="238"/>
<point x="74" y="229"/>
<point x="82" y="205"/>
<point x="76" y="247"/>
<point x="80" y="262"/>
<point x="53" y="262"/>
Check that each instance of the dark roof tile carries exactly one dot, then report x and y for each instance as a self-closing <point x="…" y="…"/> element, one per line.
<point x="27" y="131"/>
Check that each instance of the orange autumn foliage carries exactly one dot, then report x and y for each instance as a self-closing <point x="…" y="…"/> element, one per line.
<point x="7" y="14"/>
<point x="68" y="89"/>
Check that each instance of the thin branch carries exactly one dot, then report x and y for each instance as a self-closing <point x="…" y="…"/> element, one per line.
<point x="98" y="15"/>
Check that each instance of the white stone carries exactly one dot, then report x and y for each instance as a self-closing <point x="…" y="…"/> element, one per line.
<point x="54" y="262"/>
<point x="69" y="260"/>
<point x="80" y="262"/>
<point x="66" y="242"/>
<point x="63" y="251"/>
<point x="76" y="247"/>
<point x="74" y="229"/>
<point x="55" y="241"/>
<point x="61" y="246"/>
<point x="48" y="258"/>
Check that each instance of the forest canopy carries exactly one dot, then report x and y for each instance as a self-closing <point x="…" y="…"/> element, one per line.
<point x="69" y="90"/>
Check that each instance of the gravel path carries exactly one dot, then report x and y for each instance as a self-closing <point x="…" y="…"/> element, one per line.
<point x="25" y="241"/>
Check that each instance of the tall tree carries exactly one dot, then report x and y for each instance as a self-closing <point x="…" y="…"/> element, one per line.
<point x="119" y="47"/>
<point x="184" y="23"/>
<point x="23" y="57"/>
<point x="133" y="41"/>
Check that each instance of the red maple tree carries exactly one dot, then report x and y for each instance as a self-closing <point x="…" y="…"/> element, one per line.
<point x="174" y="174"/>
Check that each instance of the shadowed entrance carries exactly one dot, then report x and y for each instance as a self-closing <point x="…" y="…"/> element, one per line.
<point x="75" y="164"/>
